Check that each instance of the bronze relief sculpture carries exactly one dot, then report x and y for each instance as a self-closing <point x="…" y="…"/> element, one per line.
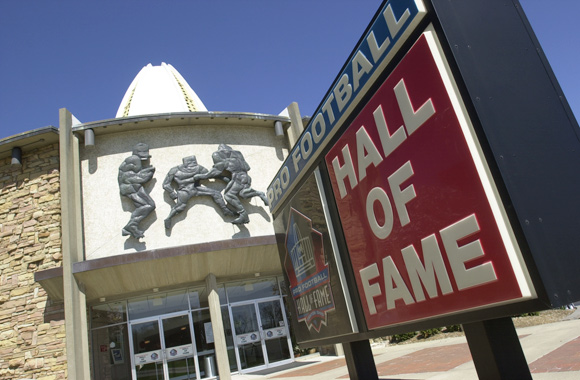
<point x="133" y="174"/>
<point x="187" y="187"/>
<point x="231" y="167"/>
<point x="182" y="183"/>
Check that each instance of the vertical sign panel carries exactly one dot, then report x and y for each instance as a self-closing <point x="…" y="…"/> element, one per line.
<point x="426" y="233"/>
<point x="316" y="299"/>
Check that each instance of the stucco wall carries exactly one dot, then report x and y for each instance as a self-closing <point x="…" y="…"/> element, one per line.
<point x="32" y="337"/>
<point x="106" y="212"/>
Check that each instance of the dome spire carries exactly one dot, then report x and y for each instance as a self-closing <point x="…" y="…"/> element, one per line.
<point x="159" y="89"/>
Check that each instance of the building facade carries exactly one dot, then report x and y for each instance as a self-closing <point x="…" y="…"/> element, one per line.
<point x="151" y="232"/>
<point x="32" y="330"/>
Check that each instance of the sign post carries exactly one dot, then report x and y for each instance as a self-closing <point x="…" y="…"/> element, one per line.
<point x="496" y="350"/>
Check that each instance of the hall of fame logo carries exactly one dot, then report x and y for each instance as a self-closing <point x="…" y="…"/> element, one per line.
<point x="307" y="271"/>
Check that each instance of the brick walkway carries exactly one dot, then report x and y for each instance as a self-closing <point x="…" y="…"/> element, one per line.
<point x="564" y="359"/>
<point x="436" y="359"/>
<point x="315" y="369"/>
<point x="553" y="352"/>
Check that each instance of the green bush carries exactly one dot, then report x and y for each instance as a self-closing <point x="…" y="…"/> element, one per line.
<point x="530" y="314"/>
<point x="398" y="338"/>
<point x="453" y="328"/>
<point x="301" y="351"/>
<point x="430" y="332"/>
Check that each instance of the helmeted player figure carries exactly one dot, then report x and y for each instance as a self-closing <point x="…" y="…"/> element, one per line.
<point x="132" y="175"/>
<point x="188" y="187"/>
<point x="231" y="167"/>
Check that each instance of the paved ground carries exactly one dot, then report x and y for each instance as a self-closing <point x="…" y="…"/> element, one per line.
<point x="552" y="352"/>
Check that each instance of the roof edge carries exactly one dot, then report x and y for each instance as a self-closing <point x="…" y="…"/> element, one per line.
<point x="176" y="118"/>
<point x="29" y="140"/>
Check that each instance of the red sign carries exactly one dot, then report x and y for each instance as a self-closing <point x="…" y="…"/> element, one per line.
<point x="307" y="271"/>
<point x="425" y="235"/>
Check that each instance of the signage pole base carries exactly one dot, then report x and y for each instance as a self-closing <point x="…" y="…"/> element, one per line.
<point x="360" y="361"/>
<point x="496" y="350"/>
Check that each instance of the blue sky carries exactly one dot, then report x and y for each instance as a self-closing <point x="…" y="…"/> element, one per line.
<point x="248" y="56"/>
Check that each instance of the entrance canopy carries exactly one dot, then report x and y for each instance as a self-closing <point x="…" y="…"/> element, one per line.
<point x="138" y="272"/>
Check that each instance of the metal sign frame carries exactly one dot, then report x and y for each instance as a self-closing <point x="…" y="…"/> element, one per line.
<point x="525" y="162"/>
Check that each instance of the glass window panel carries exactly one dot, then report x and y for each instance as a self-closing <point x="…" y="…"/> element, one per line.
<point x="181" y="369"/>
<point x="252" y="289"/>
<point x="245" y="319"/>
<point x="203" y="330"/>
<point x="110" y="353"/>
<point x="227" y="326"/>
<point x="146" y="337"/>
<point x="149" y="371"/>
<point x="251" y="355"/>
<point x="271" y="314"/>
<point x="176" y="301"/>
<point x="277" y="349"/>
<point x="198" y="297"/>
<point x="108" y="314"/>
<point x="138" y="308"/>
<point x="229" y="339"/>
<point x="158" y="303"/>
<point x="221" y="290"/>
<point x="176" y="331"/>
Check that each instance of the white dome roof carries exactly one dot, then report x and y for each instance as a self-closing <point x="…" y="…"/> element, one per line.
<point x="159" y="89"/>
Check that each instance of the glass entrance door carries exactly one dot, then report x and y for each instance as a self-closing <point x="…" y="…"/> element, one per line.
<point x="274" y="331"/>
<point x="178" y="345"/>
<point x="261" y="334"/>
<point x="248" y="336"/>
<point x="162" y="349"/>
<point x="147" y="353"/>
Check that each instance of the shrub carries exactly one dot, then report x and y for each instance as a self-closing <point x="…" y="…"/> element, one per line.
<point x="430" y="332"/>
<point x="453" y="328"/>
<point x="300" y="351"/>
<point x="398" y="338"/>
<point x="530" y="314"/>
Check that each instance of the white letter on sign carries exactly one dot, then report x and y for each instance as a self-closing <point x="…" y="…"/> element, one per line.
<point x="306" y="145"/>
<point x="413" y="120"/>
<point x="296" y="157"/>
<point x="327" y="107"/>
<point x="389" y="142"/>
<point x="364" y="144"/>
<point x="371" y="291"/>
<point x="400" y="290"/>
<point x="376" y="50"/>
<point x="365" y="68"/>
<point x="458" y="256"/>
<point x="393" y="24"/>
<point x="434" y="268"/>
<point x="378" y="194"/>
<point x="318" y="120"/>
<point x="402" y="197"/>
<point x="346" y="170"/>
<point x="342" y="92"/>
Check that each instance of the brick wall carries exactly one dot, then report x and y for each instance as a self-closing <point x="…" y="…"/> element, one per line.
<point x="32" y="333"/>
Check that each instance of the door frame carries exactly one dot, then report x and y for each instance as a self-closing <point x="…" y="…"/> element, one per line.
<point x="267" y="363"/>
<point x="164" y="358"/>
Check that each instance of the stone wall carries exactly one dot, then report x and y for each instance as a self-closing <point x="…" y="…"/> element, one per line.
<point x="32" y="333"/>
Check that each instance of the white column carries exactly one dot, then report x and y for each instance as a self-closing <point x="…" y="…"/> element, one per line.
<point x="77" y="343"/>
<point x="215" y="312"/>
<point x="296" y="127"/>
